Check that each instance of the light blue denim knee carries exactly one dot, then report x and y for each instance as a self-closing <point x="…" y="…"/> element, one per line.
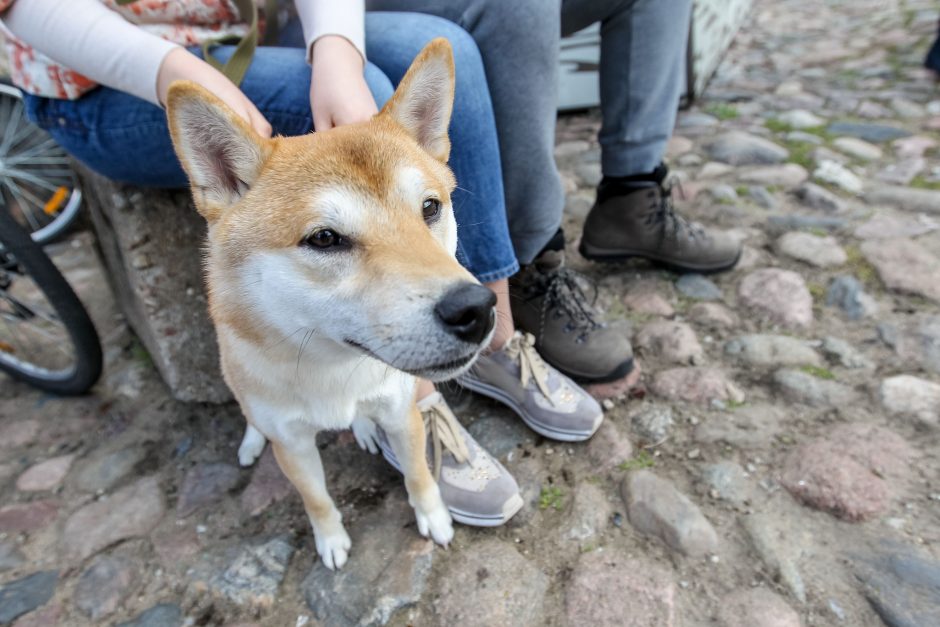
<point x="483" y="245"/>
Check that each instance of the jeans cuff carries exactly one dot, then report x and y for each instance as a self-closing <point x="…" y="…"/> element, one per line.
<point x="495" y="275"/>
<point x="640" y="160"/>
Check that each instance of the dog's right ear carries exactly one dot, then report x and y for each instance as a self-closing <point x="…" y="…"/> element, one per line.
<point x="221" y="153"/>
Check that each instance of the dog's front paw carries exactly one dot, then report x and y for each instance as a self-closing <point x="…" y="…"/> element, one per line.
<point x="436" y="523"/>
<point x="333" y="547"/>
<point x="251" y="446"/>
<point x="364" y="431"/>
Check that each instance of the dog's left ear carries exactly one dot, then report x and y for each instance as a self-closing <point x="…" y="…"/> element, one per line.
<point x="423" y="102"/>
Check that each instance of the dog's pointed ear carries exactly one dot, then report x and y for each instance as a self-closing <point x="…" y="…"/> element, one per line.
<point x="221" y="153"/>
<point x="423" y="102"/>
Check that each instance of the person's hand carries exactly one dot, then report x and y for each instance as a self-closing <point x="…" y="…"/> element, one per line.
<point x="338" y="91"/>
<point x="180" y="64"/>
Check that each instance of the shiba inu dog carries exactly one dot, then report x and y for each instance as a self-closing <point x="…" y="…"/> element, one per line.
<point x="332" y="279"/>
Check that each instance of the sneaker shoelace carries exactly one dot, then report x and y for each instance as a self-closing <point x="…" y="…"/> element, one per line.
<point x="663" y="213"/>
<point x="521" y="349"/>
<point x="562" y="287"/>
<point x="444" y="433"/>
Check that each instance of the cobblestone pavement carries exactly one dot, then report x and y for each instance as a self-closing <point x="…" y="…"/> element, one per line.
<point x="778" y="464"/>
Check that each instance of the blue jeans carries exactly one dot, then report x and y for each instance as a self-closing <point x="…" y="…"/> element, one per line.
<point x="642" y="51"/>
<point x="126" y="139"/>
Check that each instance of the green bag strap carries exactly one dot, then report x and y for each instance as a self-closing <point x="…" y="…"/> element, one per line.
<point x="235" y="68"/>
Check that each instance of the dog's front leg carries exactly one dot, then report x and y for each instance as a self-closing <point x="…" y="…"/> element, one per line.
<point x="298" y="457"/>
<point x="409" y="445"/>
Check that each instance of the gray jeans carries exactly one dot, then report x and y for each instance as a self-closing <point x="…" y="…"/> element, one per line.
<point x="643" y="45"/>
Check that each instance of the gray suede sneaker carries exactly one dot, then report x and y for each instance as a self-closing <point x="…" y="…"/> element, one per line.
<point x="476" y="488"/>
<point x="644" y="223"/>
<point x="546" y="400"/>
<point x="548" y="301"/>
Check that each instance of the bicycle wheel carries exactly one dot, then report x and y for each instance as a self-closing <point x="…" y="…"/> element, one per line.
<point x="46" y="336"/>
<point x="37" y="185"/>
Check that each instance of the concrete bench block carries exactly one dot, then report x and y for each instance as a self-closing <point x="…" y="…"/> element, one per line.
<point x="152" y="244"/>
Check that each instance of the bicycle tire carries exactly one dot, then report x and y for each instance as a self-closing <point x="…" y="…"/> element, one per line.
<point x="87" y="365"/>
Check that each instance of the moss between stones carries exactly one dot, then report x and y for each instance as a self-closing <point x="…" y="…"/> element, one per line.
<point x="818" y="372"/>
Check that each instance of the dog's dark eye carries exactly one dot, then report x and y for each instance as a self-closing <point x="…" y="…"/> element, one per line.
<point x="431" y="209"/>
<point x="325" y="238"/>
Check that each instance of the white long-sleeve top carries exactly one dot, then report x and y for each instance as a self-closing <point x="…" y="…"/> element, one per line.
<point x="63" y="49"/>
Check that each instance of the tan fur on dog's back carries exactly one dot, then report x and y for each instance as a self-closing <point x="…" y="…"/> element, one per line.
<point x="307" y="333"/>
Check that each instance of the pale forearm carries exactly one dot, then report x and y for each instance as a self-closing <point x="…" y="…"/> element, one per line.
<point x="345" y="19"/>
<point x="85" y="36"/>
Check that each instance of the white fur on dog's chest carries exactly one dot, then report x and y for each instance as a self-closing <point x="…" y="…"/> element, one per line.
<point x="328" y="386"/>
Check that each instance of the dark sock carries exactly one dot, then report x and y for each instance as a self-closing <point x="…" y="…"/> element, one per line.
<point x="611" y="186"/>
<point x="556" y="243"/>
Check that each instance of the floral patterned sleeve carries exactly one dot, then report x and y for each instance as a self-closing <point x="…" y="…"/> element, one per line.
<point x="63" y="49"/>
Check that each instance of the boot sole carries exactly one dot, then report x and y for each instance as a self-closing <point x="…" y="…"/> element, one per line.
<point x="623" y="370"/>
<point x="601" y="254"/>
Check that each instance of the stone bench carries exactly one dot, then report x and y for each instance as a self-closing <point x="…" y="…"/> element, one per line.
<point x="151" y="243"/>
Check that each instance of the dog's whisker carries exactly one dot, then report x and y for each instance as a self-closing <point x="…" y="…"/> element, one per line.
<point x="269" y="347"/>
<point x="300" y="350"/>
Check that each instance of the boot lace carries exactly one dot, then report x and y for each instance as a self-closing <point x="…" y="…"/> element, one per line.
<point x="565" y="295"/>
<point x="662" y="213"/>
<point x="443" y="431"/>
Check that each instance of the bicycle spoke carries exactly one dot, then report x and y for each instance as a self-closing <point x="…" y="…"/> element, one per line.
<point x="18" y="340"/>
<point x="38" y="148"/>
<point x="32" y="178"/>
<point x="24" y="205"/>
<point x="9" y="132"/>
<point x="51" y="173"/>
<point x="36" y="339"/>
<point x="5" y="105"/>
<point x="15" y="160"/>
<point x="29" y="135"/>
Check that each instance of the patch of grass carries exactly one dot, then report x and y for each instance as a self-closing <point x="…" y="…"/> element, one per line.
<point x="551" y="497"/>
<point x="817" y="291"/>
<point x="587" y="548"/>
<point x="638" y="317"/>
<point x="616" y="310"/>
<point x="922" y="183"/>
<point x="860" y="267"/>
<point x="777" y="126"/>
<point x="847" y="76"/>
<point x="818" y="372"/>
<point x="742" y="190"/>
<point x="909" y="15"/>
<point x="818" y="131"/>
<point x="722" y="111"/>
<point x="642" y="460"/>
<point x="140" y="354"/>
<point x="817" y="231"/>
<point x="801" y="153"/>
<point x="733" y="404"/>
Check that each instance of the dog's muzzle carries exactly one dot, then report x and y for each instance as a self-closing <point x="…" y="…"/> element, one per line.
<point x="467" y="312"/>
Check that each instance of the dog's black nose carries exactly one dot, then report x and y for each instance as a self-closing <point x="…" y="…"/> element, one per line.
<point x="467" y="311"/>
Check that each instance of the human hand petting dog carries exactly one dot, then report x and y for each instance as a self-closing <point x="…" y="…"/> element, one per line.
<point x="338" y="91"/>
<point x="180" y="64"/>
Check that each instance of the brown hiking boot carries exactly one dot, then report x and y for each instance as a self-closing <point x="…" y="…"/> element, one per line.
<point x="548" y="302"/>
<point x="643" y="223"/>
